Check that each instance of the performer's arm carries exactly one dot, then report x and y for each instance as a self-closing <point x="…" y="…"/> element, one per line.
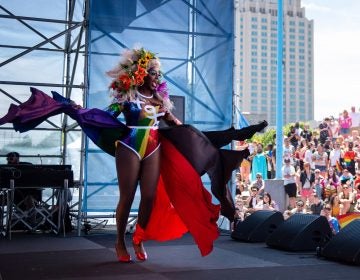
<point x="115" y="109"/>
<point x="170" y="119"/>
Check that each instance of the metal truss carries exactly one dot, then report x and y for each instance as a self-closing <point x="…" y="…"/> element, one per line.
<point x="75" y="45"/>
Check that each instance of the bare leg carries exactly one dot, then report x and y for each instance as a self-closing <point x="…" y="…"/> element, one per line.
<point x="149" y="176"/>
<point x="128" y="167"/>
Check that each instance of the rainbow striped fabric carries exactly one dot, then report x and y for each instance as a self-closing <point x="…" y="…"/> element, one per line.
<point x="345" y="219"/>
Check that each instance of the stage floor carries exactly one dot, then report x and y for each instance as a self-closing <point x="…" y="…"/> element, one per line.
<point x="92" y="256"/>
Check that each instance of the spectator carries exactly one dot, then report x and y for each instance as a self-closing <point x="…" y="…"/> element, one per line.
<point x="334" y="127"/>
<point x="335" y="157"/>
<point x="298" y="129"/>
<point x="270" y="157"/>
<point x="333" y="222"/>
<point x="288" y="150"/>
<point x="306" y="133"/>
<point x="289" y="174"/>
<point x="345" y="177"/>
<point x="325" y="131"/>
<point x="258" y="163"/>
<point x="330" y="184"/>
<point x="355" y="118"/>
<point x="317" y="183"/>
<point x="300" y="208"/>
<point x="26" y="198"/>
<point x="346" y="198"/>
<point x="335" y="205"/>
<point x="349" y="157"/>
<point x="240" y="211"/>
<point x="357" y="206"/>
<point x="253" y="199"/>
<point x="293" y="137"/>
<point x="287" y="214"/>
<point x="259" y="183"/>
<point x="320" y="159"/>
<point x="267" y="203"/>
<point x="345" y="123"/>
<point x="317" y="205"/>
<point x="307" y="179"/>
<point x="245" y="165"/>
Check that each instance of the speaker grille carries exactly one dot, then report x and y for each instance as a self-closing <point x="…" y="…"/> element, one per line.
<point x="345" y="246"/>
<point x="258" y="226"/>
<point x="301" y="232"/>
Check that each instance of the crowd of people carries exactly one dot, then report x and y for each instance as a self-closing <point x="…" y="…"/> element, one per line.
<point x="321" y="170"/>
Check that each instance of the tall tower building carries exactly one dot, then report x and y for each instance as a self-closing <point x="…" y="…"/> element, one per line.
<point x="258" y="60"/>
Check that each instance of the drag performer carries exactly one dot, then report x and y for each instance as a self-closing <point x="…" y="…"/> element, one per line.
<point x="167" y="163"/>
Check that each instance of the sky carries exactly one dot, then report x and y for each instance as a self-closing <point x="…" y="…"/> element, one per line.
<point x="336" y="55"/>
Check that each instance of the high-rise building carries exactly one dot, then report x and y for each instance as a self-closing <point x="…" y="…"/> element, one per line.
<point x="257" y="80"/>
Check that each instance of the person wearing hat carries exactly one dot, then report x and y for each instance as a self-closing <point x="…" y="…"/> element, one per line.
<point x="346" y="176"/>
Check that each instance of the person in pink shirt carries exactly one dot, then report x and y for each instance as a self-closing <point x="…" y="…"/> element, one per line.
<point x="345" y="123"/>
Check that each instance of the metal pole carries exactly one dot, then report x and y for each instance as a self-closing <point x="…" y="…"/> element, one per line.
<point x="83" y="137"/>
<point x="279" y="98"/>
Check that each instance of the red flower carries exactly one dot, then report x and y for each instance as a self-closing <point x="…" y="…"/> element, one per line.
<point x="125" y="81"/>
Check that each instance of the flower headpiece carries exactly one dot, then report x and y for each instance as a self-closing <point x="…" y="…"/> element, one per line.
<point x="131" y="71"/>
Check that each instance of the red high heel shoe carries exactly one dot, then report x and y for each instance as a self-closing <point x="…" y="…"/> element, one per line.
<point x="124" y="258"/>
<point x="137" y="240"/>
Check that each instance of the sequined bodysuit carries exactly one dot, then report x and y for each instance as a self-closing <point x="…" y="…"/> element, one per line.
<point x="142" y="117"/>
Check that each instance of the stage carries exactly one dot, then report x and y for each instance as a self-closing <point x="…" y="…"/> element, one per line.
<point x="49" y="256"/>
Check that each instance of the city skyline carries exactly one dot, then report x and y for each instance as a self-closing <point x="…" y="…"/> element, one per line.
<point x="336" y="55"/>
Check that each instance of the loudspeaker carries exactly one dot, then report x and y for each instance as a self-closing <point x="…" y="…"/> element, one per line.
<point x="344" y="246"/>
<point x="301" y="232"/>
<point x="258" y="226"/>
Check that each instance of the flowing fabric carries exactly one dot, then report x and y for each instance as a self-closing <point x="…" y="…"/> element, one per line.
<point x="182" y="203"/>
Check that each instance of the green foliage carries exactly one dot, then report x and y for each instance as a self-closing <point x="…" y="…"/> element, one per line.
<point x="268" y="137"/>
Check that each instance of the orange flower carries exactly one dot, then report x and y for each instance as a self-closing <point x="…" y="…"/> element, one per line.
<point x="141" y="72"/>
<point x="125" y="81"/>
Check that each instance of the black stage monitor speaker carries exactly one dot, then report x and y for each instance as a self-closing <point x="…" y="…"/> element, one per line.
<point x="258" y="226"/>
<point x="301" y="232"/>
<point x="344" y="246"/>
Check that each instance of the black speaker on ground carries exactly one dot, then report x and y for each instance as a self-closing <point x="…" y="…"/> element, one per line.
<point x="344" y="246"/>
<point x="301" y="232"/>
<point x="258" y="226"/>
